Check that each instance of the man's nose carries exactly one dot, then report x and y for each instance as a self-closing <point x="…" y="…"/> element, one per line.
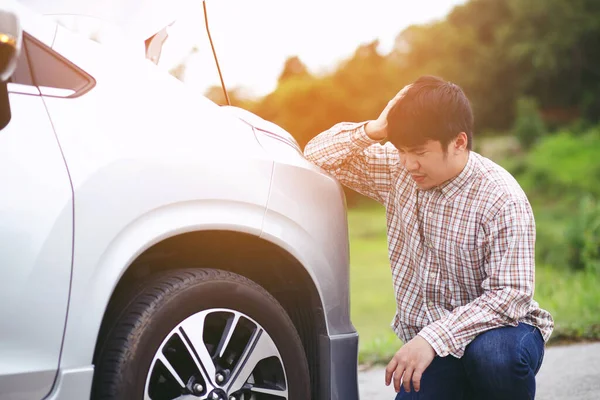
<point x="410" y="163"/>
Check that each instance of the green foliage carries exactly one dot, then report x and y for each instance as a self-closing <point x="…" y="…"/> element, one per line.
<point x="561" y="175"/>
<point x="568" y="238"/>
<point x="529" y="126"/>
<point x="565" y="165"/>
<point x="288" y="106"/>
<point x="551" y="247"/>
<point x="583" y="237"/>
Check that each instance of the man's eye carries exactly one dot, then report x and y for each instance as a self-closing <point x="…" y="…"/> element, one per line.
<point x="421" y="153"/>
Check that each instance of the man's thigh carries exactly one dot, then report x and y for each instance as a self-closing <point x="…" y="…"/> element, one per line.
<point x="502" y="363"/>
<point x="444" y="379"/>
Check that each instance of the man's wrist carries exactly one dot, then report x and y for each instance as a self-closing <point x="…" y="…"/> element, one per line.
<point x="374" y="131"/>
<point x="438" y="338"/>
<point x="360" y="137"/>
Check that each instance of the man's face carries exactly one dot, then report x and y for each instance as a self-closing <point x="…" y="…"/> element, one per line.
<point x="429" y="165"/>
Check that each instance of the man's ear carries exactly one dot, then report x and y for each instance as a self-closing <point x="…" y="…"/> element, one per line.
<point x="460" y="143"/>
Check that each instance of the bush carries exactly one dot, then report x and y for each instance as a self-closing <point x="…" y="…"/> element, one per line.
<point x="562" y="178"/>
<point x="529" y="126"/>
<point x="564" y="166"/>
<point x="551" y="246"/>
<point x="583" y="237"/>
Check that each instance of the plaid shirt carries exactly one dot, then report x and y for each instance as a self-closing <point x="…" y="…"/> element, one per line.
<point x="462" y="254"/>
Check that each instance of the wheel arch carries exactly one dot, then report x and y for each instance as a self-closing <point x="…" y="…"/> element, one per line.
<point x="258" y="259"/>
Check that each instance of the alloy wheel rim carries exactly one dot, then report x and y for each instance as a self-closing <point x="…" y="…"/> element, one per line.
<point x="217" y="354"/>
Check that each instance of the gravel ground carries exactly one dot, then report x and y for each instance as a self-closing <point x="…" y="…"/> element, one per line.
<point x="567" y="373"/>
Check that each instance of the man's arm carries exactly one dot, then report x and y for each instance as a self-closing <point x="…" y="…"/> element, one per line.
<point x="353" y="154"/>
<point x="355" y="159"/>
<point x="508" y="287"/>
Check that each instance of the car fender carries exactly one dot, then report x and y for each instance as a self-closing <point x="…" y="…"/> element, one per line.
<point x="94" y="290"/>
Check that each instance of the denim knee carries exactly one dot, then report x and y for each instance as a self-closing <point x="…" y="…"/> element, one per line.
<point x="496" y="360"/>
<point x="505" y="359"/>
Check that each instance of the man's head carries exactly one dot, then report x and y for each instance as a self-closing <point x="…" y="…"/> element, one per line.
<point x="432" y="127"/>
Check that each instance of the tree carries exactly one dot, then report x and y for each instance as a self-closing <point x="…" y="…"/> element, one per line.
<point x="293" y="68"/>
<point x="498" y="51"/>
<point x="236" y="95"/>
<point x="529" y="126"/>
<point x="178" y="71"/>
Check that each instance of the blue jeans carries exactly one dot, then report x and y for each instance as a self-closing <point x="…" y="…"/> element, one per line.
<point x="498" y="364"/>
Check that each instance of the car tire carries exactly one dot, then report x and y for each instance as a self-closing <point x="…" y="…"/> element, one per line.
<point x="170" y="306"/>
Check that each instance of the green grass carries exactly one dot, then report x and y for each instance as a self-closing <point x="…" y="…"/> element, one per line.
<point x="572" y="298"/>
<point x="372" y="295"/>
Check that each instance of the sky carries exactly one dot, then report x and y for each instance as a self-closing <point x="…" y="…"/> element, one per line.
<point x="254" y="38"/>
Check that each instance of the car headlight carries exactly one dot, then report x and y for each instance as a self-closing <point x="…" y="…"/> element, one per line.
<point x="271" y="136"/>
<point x="272" y="142"/>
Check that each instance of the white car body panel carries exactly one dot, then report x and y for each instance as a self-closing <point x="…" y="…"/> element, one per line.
<point x="288" y="225"/>
<point x="36" y="230"/>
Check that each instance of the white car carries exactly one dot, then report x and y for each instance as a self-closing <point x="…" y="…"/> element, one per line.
<point x="153" y="244"/>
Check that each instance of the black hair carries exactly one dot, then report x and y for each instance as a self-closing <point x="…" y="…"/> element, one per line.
<point x="431" y="109"/>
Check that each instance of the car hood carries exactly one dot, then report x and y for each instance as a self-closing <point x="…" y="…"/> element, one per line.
<point x="139" y="19"/>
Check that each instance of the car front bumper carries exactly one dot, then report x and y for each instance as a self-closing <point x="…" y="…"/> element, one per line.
<point x="340" y="380"/>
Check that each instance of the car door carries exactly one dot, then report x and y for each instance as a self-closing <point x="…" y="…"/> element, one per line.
<point x="36" y="238"/>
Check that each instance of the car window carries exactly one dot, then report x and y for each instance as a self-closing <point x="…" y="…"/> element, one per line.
<point x="54" y="75"/>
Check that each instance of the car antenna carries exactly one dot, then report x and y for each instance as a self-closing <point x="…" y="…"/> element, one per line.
<point x="215" y="53"/>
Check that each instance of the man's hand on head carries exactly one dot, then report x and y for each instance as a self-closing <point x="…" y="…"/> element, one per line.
<point x="377" y="129"/>
<point x="409" y="363"/>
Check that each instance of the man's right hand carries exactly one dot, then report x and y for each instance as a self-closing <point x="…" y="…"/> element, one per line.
<point x="377" y="129"/>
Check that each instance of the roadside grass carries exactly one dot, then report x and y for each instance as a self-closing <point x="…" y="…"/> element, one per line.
<point x="572" y="297"/>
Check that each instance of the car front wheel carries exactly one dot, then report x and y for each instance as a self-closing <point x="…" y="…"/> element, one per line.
<point x="202" y="334"/>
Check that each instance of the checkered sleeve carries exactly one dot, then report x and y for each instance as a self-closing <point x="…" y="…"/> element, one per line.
<point x="356" y="160"/>
<point x="507" y="289"/>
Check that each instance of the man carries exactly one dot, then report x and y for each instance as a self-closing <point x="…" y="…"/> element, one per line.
<point x="461" y="238"/>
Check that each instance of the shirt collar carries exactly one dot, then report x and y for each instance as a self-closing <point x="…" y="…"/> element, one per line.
<point x="453" y="186"/>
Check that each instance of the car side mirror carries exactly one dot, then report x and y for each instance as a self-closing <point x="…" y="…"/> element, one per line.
<point x="11" y="38"/>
